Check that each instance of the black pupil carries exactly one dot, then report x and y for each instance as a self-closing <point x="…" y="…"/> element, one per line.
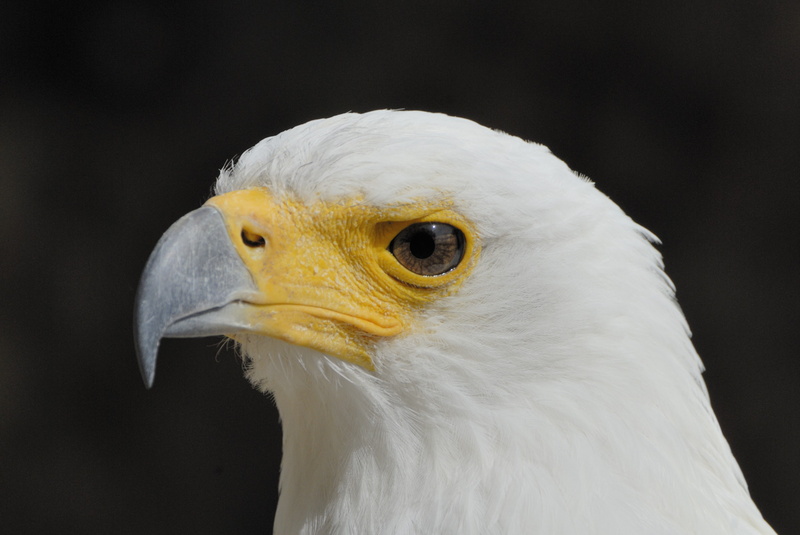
<point x="422" y="244"/>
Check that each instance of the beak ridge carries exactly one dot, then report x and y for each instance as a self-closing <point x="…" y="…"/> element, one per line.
<point x="194" y="284"/>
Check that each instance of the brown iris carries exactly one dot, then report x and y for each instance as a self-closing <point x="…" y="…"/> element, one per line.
<point x="428" y="248"/>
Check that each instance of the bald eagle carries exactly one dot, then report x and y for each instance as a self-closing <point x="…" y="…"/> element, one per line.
<point x="461" y="334"/>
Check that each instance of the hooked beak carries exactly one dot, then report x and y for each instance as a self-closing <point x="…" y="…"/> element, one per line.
<point x="194" y="284"/>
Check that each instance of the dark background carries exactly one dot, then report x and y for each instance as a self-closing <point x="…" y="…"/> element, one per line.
<point x="115" y="117"/>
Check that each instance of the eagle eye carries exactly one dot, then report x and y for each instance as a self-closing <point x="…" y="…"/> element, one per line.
<point x="428" y="248"/>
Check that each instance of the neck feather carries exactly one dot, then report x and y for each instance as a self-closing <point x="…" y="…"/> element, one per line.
<point x="531" y="455"/>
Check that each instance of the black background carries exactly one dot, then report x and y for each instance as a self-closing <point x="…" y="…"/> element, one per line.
<point x="115" y="117"/>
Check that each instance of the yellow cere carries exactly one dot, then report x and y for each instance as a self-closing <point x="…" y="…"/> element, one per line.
<point x="326" y="277"/>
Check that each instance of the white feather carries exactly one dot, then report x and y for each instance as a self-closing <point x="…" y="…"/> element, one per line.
<point x="556" y="392"/>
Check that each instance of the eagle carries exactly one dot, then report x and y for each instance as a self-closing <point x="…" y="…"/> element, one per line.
<point x="461" y="334"/>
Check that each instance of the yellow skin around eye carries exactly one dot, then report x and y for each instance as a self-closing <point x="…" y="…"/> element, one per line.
<point x="326" y="277"/>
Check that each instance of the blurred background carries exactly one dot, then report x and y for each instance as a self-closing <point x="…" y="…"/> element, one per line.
<point x="115" y="117"/>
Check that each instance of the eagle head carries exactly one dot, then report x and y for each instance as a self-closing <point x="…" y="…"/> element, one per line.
<point x="461" y="335"/>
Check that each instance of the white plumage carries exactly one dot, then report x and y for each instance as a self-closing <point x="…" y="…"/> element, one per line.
<point x="555" y="392"/>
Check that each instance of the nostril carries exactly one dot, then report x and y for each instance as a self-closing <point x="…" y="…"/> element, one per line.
<point x="251" y="239"/>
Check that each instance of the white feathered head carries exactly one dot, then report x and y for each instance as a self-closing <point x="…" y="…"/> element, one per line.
<point x="458" y="330"/>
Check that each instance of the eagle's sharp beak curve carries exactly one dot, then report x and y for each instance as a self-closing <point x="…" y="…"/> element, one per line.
<point x="194" y="284"/>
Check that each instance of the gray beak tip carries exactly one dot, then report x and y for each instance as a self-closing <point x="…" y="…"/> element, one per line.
<point x="148" y="376"/>
<point x="146" y="346"/>
<point x="189" y="287"/>
<point x="147" y="366"/>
